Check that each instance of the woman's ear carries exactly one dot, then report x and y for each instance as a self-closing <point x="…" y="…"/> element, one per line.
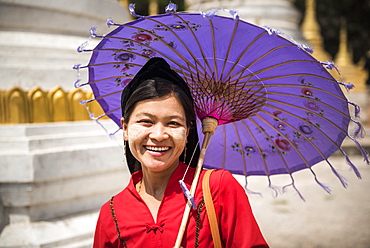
<point x="124" y="128"/>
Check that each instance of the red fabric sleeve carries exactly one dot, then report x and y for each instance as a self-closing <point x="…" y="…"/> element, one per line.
<point x="105" y="234"/>
<point x="238" y="226"/>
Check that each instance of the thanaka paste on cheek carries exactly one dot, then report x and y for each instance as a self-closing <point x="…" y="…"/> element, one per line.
<point x="179" y="134"/>
<point x="134" y="132"/>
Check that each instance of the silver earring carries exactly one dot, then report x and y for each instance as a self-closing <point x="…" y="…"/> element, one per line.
<point x="185" y="154"/>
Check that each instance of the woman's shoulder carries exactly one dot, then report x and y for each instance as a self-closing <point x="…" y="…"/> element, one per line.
<point x="220" y="175"/>
<point x="115" y="199"/>
<point x="221" y="180"/>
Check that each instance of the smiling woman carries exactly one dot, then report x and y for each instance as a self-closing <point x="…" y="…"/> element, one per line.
<point x="157" y="135"/>
<point x="159" y="126"/>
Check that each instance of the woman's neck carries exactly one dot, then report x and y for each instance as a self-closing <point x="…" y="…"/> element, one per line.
<point x="151" y="188"/>
<point x="154" y="183"/>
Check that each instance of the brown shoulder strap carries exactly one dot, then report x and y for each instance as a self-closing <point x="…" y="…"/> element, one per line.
<point x="211" y="213"/>
<point x="111" y="205"/>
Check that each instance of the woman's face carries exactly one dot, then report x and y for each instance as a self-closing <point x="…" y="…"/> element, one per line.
<point x="157" y="132"/>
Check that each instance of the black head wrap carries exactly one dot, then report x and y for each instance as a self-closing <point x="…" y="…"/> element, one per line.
<point x="156" y="69"/>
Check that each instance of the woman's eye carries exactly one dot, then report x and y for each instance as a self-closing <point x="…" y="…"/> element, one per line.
<point x="145" y="121"/>
<point x="174" y="123"/>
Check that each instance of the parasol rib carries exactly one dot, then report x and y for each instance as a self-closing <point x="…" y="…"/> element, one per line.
<point x="199" y="46"/>
<point x="304" y="160"/>
<point x="224" y="150"/>
<point x="169" y="29"/>
<point x="301" y="118"/>
<point x="284" y="161"/>
<point x="215" y="67"/>
<point x="259" y="150"/>
<point x="229" y="48"/>
<point x="272" y="142"/>
<point x="243" y="53"/>
<point x="295" y="106"/>
<point x="342" y="180"/>
<point x="159" y="39"/>
<point x="141" y="55"/>
<point x="341" y="130"/>
<point x="240" y="142"/>
<point x="255" y="73"/>
<point x="107" y="78"/>
<point x="296" y="86"/>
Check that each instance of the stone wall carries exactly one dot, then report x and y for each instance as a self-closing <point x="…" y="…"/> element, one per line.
<point x="53" y="174"/>
<point x="39" y="39"/>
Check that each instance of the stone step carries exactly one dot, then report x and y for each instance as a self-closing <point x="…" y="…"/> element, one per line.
<point x="86" y="243"/>
<point x="37" y="138"/>
<point x="74" y="231"/>
<point x="38" y="129"/>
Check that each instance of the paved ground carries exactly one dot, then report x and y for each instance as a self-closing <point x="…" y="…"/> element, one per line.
<point x="340" y="219"/>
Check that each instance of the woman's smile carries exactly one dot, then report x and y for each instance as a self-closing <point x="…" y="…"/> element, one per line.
<point x="157" y="148"/>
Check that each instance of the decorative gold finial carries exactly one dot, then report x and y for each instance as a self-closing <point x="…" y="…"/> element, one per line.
<point x="124" y="3"/>
<point x="343" y="57"/>
<point x="153" y="7"/>
<point x="311" y="31"/>
<point x="349" y="71"/>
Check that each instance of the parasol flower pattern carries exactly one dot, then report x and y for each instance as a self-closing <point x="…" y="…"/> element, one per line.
<point x="142" y="37"/>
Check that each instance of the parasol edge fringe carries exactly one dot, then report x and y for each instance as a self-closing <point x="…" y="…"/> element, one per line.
<point x="359" y="131"/>
<point x="364" y="153"/>
<point x="249" y="191"/>
<point x="349" y="86"/>
<point x="322" y="185"/>
<point x="357" y="109"/>
<point x="295" y="188"/>
<point x="276" y="190"/>
<point x="77" y="67"/>
<point x="272" y="31"/>
<point x="131" y="8"/>
<point x="349" y="162"/>
<point x="341" y="178"/>
<point x="96" y="119"/>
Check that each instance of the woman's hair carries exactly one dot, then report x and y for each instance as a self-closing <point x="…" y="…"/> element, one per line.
<point x="156" y="79"/>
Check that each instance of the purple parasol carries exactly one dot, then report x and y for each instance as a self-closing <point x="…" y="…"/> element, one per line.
<point x="278" y="108"/>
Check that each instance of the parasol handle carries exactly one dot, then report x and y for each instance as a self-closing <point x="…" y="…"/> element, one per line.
<point x="209" y="126"/>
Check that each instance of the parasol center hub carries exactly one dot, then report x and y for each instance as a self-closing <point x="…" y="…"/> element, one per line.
<point x="209" y="125"/>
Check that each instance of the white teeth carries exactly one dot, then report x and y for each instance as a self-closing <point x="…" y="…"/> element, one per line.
<point x="157" y="148"/>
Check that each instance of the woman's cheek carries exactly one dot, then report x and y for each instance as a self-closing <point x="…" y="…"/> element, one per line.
<point x="135" y="132"/>
<point x="179" y="134"/>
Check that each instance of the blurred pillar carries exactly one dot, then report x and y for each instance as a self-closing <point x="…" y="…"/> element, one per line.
<point x="311" y="32"/>
<point x="277" y="14"/>
<point x="153" y="7"/>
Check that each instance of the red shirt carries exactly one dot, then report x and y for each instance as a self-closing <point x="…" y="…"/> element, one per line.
<point x="238" y="227"/>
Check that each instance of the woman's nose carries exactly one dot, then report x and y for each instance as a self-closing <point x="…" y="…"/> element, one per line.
<point x="158" y="132"/>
